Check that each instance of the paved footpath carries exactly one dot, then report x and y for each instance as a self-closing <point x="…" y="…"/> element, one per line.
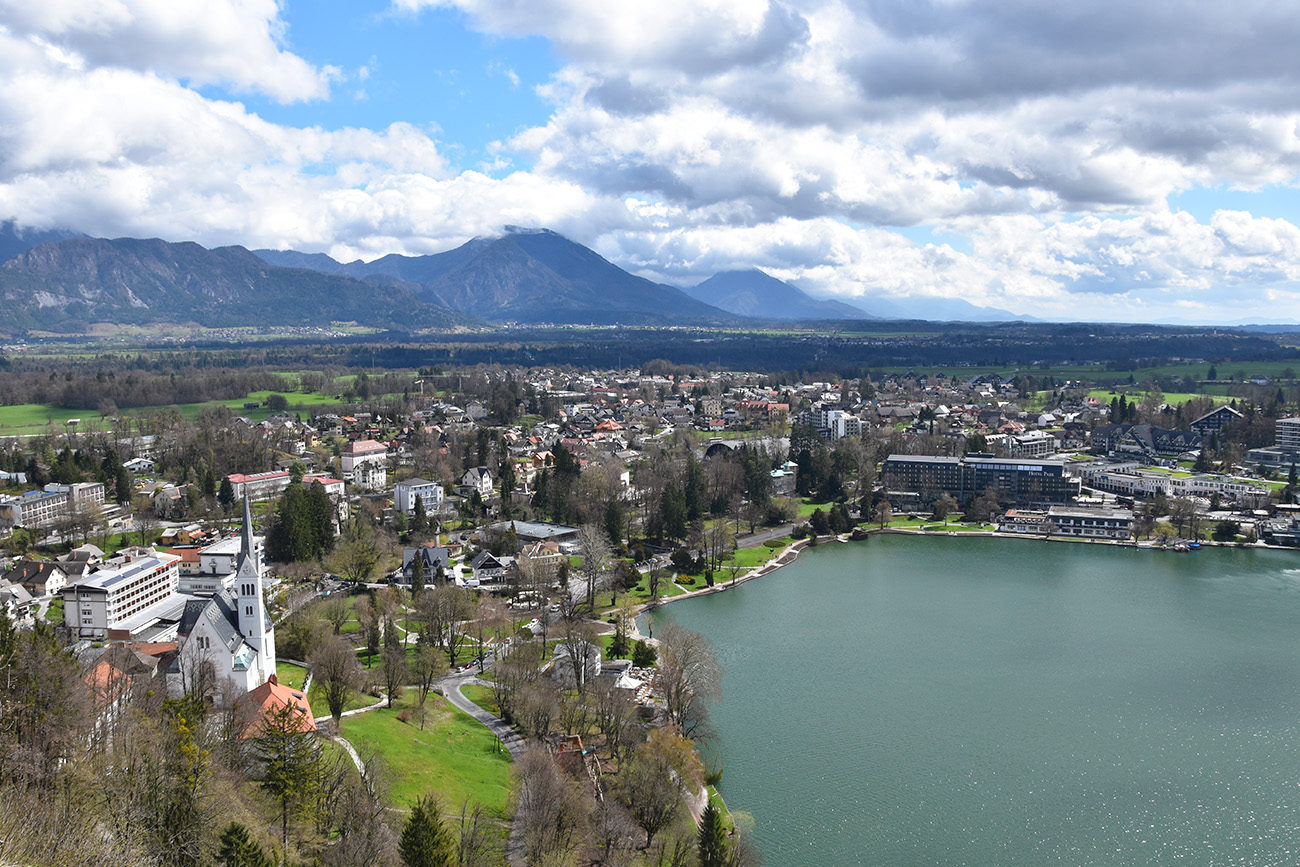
<point x="450" y="687"/>
<point x="509" y="737"/>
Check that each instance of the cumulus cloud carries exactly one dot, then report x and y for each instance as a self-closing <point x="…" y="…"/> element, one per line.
<point x="118" y="152"/>
<point x="694" y="36"/>
<point x="691" y="136"/>
<point x="234" y="42"/>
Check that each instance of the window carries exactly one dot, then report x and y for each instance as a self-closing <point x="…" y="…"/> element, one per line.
<point x="248" y="609"/>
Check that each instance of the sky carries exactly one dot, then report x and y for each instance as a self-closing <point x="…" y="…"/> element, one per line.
<point x="1066" y="160"/>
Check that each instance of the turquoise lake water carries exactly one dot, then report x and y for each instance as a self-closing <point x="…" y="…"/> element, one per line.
<point x="958" y="701"/>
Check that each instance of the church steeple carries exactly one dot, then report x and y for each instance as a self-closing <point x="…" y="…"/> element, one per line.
<point x="246" y="547"/>
<point x="253" y="622"/>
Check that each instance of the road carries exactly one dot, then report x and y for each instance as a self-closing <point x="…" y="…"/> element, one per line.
<point x="766" y="535"/>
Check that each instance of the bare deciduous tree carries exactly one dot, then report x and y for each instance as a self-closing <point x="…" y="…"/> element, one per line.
<point x="335" y="668"/>
<point x="689" y="676"/>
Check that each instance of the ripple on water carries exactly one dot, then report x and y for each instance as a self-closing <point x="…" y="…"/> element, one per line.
<point x="937" y="702"/>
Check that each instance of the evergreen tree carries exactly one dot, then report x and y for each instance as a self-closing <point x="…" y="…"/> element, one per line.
<point x="226" y="495"/>
<point x="292" y="760"/>
<point x="672" y="508"/>
<point x="419" y="520"/>
<point x="713" y="838"/>
<point x="614" y="521"/>
<point x="122" y="485"/>
<point x="425" y="841"/>
<point x="238" y="849"/>
<point x="417" y="572"/>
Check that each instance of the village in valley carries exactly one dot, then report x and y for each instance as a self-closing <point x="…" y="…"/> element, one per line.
<point x="359" y="611"/>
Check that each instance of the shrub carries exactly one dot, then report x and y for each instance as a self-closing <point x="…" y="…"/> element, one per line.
<point x="403" y="715"/>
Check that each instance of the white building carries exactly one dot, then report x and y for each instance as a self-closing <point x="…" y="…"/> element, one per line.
<point x="50" y="505"/>
<point x="123" y="598"/>
<point x="1091" y="523"/>
<point x="259" y="486"/>
<point x="363" y="453"/>
<point x="477" y="479"/>
<point x="430" y="494"/>
<point x="365" y="463"/>
<point x="1287" y="433"/>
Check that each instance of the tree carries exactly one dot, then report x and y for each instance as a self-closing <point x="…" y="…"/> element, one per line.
<point x="292" y="761"/>
<point x="712" y="848"/>
<point x="239" y="849"/>
<point x="417" y="572"/>
<point x="643" y="654"/>
<point x="1226" y="531"/>
<point x="357" y="552"/>
<point x="884" y="513"/>
<point x="428" y="666"/>
<point x="943" y="507"/>
<point x="394" y="669"/>
<point x="334" y="666"/>
<point x="819" y="523"/>
<point x="660" y="771"/>
<point x="689" y="676"/>
<point x="419" y="518"/>
<point x="335" y="611"/>
<point x="551" y="812"/>
<point x="425" y="840"/>
<point x="122" y="486"/>
<point x="595" y="559"/>
<point x="226" y="495"/>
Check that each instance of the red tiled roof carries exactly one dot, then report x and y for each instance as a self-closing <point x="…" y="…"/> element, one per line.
<point x="272" y="695"/>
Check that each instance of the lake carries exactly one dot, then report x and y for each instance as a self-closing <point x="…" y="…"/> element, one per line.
<point x="974" y="701"/>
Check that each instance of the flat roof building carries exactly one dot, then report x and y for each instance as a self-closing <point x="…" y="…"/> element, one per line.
<point x="1017" y="481"/>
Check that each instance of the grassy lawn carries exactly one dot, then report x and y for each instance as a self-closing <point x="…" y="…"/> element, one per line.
<point x="481" y="696"/>
<point x="807" y="507"/>
<point x="454" y="755"/>
<point x="290" y="675"/>
<point x="750" y="558"/>
<point x="641" y="592"/>
<point x="54" y="613"/>
<point x="316" y="699"/>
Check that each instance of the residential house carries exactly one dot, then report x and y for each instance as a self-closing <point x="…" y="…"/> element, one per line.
<point x="38" y="577"/>
<point x="489" y="568"/>
<point x="429" y="493"/>
<point x="434" y="556"/>
<point x="366" y="462"/>
<point x="476" y="479"/>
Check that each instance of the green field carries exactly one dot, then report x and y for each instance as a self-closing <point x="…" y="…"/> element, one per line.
<point x="319" y="707"/>
<point x="454" y="756"/>
<point x="37" y="418"/>
<point x="290" y="675"/>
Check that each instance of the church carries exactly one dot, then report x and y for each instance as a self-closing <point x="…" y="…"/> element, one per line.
<point x="227" y="642"/>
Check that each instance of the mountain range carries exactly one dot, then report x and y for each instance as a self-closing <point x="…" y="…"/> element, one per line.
<point x="526" y="276"/>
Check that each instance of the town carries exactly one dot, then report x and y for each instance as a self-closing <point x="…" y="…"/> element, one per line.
<point x="424" y="586"/>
